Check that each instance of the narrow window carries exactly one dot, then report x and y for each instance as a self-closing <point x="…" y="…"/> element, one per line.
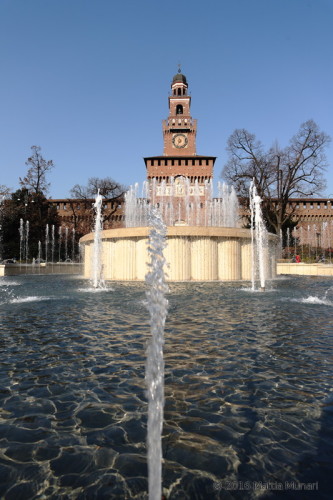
<point x="179" y="109"/>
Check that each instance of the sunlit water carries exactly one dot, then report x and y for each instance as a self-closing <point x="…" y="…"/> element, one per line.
<point x="248" y="390"/>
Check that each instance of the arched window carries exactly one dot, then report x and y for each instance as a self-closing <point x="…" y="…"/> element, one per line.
<point x="179" y="109"/>
<point x="179" y="91"/>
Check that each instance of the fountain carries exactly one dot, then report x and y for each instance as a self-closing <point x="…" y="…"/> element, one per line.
<point x="47" y="242"/>
<point x="66" y="243"/>
<point x="203" y="240"/>
<point x="157" y="305"/>
<point x="26" y="241"/>
<point x="97" y="263"/>
<point x="247" y="401"/>
<point x="59" y="243"/>
<point x="52" y="242"/>
<point x="21" y="232"/>
<point x="73" y="244"/>
<point x="39" y="257"/>
<point x="259" y="238"/>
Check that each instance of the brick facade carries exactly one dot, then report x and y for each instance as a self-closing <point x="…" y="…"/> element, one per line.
<point x="180" y="168"/>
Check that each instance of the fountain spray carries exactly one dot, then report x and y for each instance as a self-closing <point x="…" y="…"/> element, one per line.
<point x="259" y="236"/>
<point x="59" y="242"/>
<point x="39" y="251"/>
<point x="26" y="241"/>
<point x="53" y="242"/>
<point x="47" y="240"/>
<point x="157" y="306"/>
<point x="97" y="279"/>
<point x="66" y="244"/>
<point x="73" y="244"/>
<point x="21" y="231"/>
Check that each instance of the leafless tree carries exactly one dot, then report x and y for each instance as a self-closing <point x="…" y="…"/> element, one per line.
<point x="4" y="192"/>
<point x="107" y="187"/>
<point x="35" y="180"/>
<point x="112" y="192"/>
<point x="279" y="174"/>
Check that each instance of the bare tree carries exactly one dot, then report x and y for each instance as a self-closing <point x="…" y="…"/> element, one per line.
<point x="35" y="180"/>
<point x="279" y="174"/>
<point x="112" y="192"/>
<point x="4" y="192"/>
<point x="107" y="187"/>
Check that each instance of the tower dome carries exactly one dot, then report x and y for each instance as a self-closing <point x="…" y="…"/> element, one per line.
<point x="179" y="77"/>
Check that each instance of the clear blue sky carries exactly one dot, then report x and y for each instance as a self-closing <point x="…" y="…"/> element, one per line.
<point x="88" y="80"/>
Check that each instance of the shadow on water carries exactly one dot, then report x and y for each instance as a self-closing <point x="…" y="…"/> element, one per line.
<point x="247" y="386"/>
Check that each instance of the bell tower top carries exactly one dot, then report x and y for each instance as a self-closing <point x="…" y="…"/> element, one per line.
<point x="179" y="84"/>
<point x="179" y="130"/>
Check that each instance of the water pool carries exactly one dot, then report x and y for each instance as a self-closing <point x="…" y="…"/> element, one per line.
<point x="248" y="388"/>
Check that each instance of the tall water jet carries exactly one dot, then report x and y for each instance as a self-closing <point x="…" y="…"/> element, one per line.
<point x="97" y="268"/>
<point x="59" y="242"/>
<point x="52" y="242"/>
<point x="259" y="238"/>
<point x="26" y="241"/>
<point x="47" y="241"/>
<point x="66" y="243"/>
<point x="39" y="252"/>
<point x="157" y="305"/>
<point x="73" y="244"/>
<point x="21" y="232"/>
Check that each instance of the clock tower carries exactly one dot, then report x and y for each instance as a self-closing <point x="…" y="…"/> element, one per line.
<point x="179" y="130"/>
<point x="180" y="173"/>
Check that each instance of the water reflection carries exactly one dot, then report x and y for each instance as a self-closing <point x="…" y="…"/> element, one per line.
<point x="247" y="384"/>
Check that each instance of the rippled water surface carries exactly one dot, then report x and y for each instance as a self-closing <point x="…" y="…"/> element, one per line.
<point x="248" y="388"/>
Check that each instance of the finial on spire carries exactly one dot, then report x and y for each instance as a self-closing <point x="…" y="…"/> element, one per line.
<point x="179" y="68"/>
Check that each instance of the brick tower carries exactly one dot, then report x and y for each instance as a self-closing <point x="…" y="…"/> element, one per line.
<point x="180" y="178"/>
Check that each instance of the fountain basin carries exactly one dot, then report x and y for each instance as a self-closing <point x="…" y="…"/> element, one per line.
<point x="193" y="253"/>
<point x="42" y="268"/>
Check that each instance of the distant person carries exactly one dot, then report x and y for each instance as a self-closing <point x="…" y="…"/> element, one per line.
<point x="298" y="259"/>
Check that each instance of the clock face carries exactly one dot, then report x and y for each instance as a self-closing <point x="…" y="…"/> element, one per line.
<point x="179" y="140"/>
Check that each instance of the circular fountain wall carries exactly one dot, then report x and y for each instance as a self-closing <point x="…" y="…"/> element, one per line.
<point x="193" y="253"/>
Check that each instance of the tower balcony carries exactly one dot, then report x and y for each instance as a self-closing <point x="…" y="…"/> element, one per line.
<point x="179" y="122"/>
